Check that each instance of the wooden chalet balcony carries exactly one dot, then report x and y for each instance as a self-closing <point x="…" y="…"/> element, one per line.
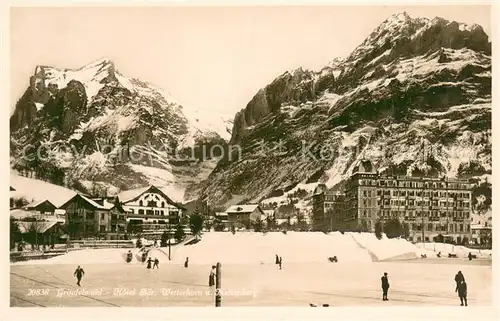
<point x="153" y="216"/>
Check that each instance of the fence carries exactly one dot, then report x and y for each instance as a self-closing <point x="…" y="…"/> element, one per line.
<point x="101" y="244"/>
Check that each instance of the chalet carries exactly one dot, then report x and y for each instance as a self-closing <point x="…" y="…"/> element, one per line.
<point x="43" y="232"/>
<point x="150" y="211"/>
<point x="44" y="207"/>
<point x="243" y="215"/>
<point x="86" y="217"/>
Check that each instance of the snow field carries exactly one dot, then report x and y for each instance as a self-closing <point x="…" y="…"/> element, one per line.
<point x="251" y="248"/>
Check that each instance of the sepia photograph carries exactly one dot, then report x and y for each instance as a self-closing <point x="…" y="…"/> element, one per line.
<point x="251" y="156"/>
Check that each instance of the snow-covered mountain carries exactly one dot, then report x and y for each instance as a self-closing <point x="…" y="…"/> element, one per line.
<point x="414" y="98"/>
<point x="98" y="127"/>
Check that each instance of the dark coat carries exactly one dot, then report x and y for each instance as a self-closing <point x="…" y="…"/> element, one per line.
<point x="79" y="273"/>
<point x="459" y="277"/>
<point x="211" y="279"/>
<point x="462" y="289"/>
<point x="385" y="282"/>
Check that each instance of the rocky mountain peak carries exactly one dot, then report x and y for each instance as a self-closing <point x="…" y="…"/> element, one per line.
<point x="408" y="98"/>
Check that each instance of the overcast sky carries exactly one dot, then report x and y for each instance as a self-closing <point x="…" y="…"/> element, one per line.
<point x="213" y="58"/>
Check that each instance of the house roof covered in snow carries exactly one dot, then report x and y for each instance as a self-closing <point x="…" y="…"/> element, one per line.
<point x="37" y="204"/>
<point x="134" y="194"/>
<point x="20" y="213"/>
<point x="106" y="206"/>
<point x="244" y="208"/>
<point x="39" y="226"/>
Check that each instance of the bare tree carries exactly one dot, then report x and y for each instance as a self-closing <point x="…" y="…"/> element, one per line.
<point x="32" y="233"/>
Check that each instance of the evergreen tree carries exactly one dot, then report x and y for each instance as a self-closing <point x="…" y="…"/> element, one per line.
<point x="393" y="228"/>
<point x="164" y="239"/>
<point x="196" y="222"/>
<point x="179" y="233"/>
<point x="378" y="230"/>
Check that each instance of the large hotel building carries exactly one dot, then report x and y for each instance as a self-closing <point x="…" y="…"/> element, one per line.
<point x="427" y="207"/>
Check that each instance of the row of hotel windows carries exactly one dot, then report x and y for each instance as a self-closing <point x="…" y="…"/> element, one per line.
<point x="413" y="184"/>
<point x="373" y="202"/>
<point x="411" y="214"/>
<point x="439" y="227"/>
<point x="148" y="212"/>
<point x="367" y="193"/>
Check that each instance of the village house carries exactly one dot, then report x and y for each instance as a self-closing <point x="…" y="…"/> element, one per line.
<point x="42" y="232"/>
<point x="87" y="218"/>
<point x="40" y="211"/>
<point x="243" y="215"/>
<point x="150" y="211"/>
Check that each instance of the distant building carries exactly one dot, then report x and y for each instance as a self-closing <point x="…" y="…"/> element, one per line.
<point x="49" y="232"/>
<point x="44" y="207"/>
<point x="268" y="214"/>
<point x="150" y="211"/>
<point x="243" y="215"/>
<point x="481" y="228"/>
<point x="427" y="207"/>
<point x="86" y="217"/>
<point x="328" y="210"/>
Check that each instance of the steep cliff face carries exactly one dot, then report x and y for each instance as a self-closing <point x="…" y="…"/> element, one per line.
<point x="93" y="125"/>
<point x="414" y="97"/>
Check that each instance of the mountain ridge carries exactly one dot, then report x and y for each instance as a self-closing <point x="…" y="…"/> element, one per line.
<point x="410" y="81"/>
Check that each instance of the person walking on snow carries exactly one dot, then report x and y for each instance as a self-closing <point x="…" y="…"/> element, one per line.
<point x="385" y="287"/>
<point x="459" y="277"/>
<point x="462" y="292"/>
<point x="186" y="263"/>
<point x="211" y="277"/>
<point x="79" y="274"/>
<point x="156" y="263"/>
<point x="149" y="263"/>
<point x="277" y="259"/>
<point x="280" y="262"/>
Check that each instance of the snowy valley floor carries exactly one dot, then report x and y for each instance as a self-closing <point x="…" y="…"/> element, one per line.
<point x="416" y="282"/>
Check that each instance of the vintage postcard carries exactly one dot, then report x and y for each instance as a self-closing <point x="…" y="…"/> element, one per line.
<point x="251" y="156"/>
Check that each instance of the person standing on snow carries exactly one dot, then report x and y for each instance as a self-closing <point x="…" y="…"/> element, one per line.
<point x="385" y="287"/>
<point x="280" y="262"/>
<point x="156" y="263"/>
<point x="211" y="277"/>
<point x="79" y="274"/>
<point x="459" y="277"/>
<point x="149" y="263"/>
<point x="186" y="263"/>
<point x="462" y="292"/>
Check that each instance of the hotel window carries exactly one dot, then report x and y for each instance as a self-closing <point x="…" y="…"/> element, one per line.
<point x="132" y="210"/>
<point x="140" y="203"/>
<point x="141" y="211"/>
<point x="102" y="216"/>
<point x="162" y="204"/>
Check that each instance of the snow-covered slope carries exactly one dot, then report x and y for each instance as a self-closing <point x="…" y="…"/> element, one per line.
<point x="414" y="98"/>
<point x="258" y="248"/>
<point x="34" y="190"/>
<point x="98" y="127"/>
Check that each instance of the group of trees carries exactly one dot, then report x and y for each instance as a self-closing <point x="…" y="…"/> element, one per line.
<point x="392" y="228"/>
<point x="33" y="233"/>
